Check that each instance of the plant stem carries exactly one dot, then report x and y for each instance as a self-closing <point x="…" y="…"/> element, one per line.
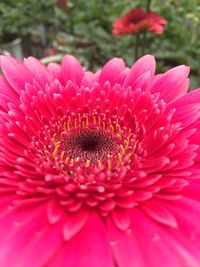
<point x="137" y="45"/>
<point x="148" y="6"/>
<point x="144" y="43"/>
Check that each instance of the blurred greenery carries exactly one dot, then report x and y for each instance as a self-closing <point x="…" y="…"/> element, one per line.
<point x="21" y="17"/>
<point x="85" y="30"/>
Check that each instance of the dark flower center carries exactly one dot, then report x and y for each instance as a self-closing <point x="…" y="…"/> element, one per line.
<point x="89" y="144"/>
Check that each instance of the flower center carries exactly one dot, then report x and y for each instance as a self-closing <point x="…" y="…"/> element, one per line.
<point x="88" y="148"/>
<point x="88" y="144"/>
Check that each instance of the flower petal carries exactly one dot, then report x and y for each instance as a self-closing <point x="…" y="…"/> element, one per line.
<point x="71" y="70"/>
<point x="39" y="71"/>
<point x="55" y="71"/>
<point x="156" y="211"/>
<point x="172" y="84"/>
<point x="121" y="218"/>
<point x="187" y="213"/>
<point x="88" y="248"/>
<point x="160" y="245"/>
<point x="111" y="70"/>
<point x="20" y="227"/>
<point x="142" y="65"/>
<point x="41" y="247"/>
<point x="74" y="222"/>
<point x="54" y="211"/>
<point x="125" y="249"/>
<point x="16" y="73"/>
<point x="88" y="79"/>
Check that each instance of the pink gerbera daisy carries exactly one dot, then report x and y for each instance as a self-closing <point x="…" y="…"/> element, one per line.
<point x="98" y="169"/>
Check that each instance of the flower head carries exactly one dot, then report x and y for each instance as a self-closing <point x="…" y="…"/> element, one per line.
<point x="137" y="20"/>
<point x="98" y="169"/>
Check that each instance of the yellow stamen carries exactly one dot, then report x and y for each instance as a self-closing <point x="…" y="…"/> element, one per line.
<point x="55" y="150"/>
<point x="88" y="162"/>
<point x="109" y="164"/>
<point x="54" y="138"/>
<point x="75" y="122"/>
<point x="112" y="128"/>
<point x="94" y="119"/>
<point x="83" y="124"/>
<point x="120" y="159"/>
<point x="87" y="121"/>
<point x="68" y="124"/>
<point x="62" y="154"/>
<point x="127" y="142"/>
<point x="99" y="164"/>
<point x="99" y="120"/>
<point x="122" y="150"/>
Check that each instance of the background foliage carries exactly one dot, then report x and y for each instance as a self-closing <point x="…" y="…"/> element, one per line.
<point x="85" y="30"/>
<point x="92" y="20"/>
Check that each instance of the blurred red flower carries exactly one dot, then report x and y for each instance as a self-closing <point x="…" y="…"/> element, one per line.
<point x="137" y="20"/>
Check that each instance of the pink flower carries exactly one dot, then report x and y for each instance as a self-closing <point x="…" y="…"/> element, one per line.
<point x="98" y="169"/>
<point x="137" y="20"/>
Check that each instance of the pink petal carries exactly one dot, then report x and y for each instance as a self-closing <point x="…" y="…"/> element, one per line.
<point x="193" y="189"/>
<point x="74" y="222"/>
<point x="20" y="226"/>
<point x="142" y="65"/>
<point x="88" y="79"/>
<point x="189" y="98"/>
<point x="16" y="73"/>
<point x="88" y="248"/>
<point x="122" y="76"/>
<point x="7" y="90"/>
<point x="72" y="70"/>
<point x="55" y="71"/>
<point x="54" y="211"/>
<point x="157" y="212"/>
<point x="172" y="84"/>
<point x="187" y="215"/>
<point x="185" y="250"/>
<point x="39" y="71"/>
<point x="125" y="248"/>
<point x="187" y="114"/>
<point x="111" y="70"/>
<point x="142" y="81"/>
<point x="157" y="244"/>
<point x="41" y="247"/>
<point x="121" y="218"/>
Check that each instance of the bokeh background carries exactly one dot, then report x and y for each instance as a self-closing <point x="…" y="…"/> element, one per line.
<point x="49" y="29"/>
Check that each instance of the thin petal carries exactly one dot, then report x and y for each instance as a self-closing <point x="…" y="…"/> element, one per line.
<point x="121" y="218"/>
<point x="88" y="79"/>
<point x="74" y="222"/>
<point x="72" y="70"/>
<point x="144" y="64"/>
<point x="16" y="73"/>
<point x="172" y="84"/>
<point x="111" y="70"/>
<point x="190" y="98"/>
<point x="156" y="211"/>
<point x="39" y="71"/>
<point x="55" y="71"/>
<point x="54" y="211"/>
